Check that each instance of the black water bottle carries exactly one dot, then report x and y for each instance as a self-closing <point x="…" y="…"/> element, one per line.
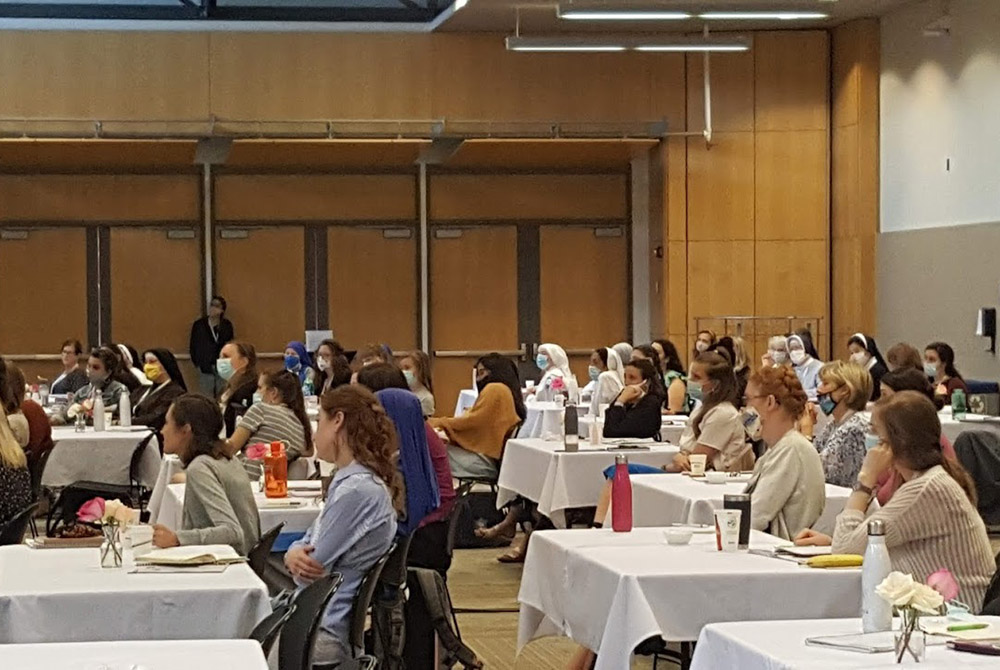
<point x="740" y="501"/>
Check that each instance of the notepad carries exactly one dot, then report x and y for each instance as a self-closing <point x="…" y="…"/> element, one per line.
<point x="191" y="555"/>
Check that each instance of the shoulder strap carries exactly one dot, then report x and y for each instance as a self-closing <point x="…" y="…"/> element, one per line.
<point x="438" y="603"/>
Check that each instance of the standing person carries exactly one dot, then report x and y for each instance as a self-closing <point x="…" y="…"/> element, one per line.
<point x="72" y="378"/>
<point x="208" y="335"/>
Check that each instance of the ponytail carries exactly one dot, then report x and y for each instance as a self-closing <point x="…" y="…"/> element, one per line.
<point x="962" y="477"/>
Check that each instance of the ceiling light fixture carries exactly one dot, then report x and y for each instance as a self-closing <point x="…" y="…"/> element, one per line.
<point x="613" y="44"/>
<point x="763" y="16"/>
<point x="600" y="11"/>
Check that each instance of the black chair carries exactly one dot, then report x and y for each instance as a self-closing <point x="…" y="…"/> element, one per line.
<point x="37" y="467"/>
<point x="266" y="632"/>
<point x="979" y="453"/>
<point x="133" y="494"/>
<point x="363" y="601"/>
<point x="295" y="647"/>
<point x="388" y="608"/>
<point x="13" y="531"/>
<point x="454" y="519"/>
<point x="257" y="556"/>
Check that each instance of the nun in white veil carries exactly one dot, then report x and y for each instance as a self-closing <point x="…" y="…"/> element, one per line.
<point x="624" y="351"/>
<point x="554" y="364"/>
<point x="610" y="381"/>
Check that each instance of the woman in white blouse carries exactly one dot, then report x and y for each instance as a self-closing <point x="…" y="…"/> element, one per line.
<point x="554" y="364"/>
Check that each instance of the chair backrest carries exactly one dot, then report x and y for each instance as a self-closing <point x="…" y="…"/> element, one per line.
<point x="13" y="531"/>
<point x="136" y="462"/>
<point x="979" y="453"/>
<point x="37" y="466"/>
<point x="363" y="600"/>
<point x="299" y="632"/>
<point x="257" y="556"/>
<point x="454" y="519"/>
<point x="266" y="632"/>
<point x="976" y="386"/>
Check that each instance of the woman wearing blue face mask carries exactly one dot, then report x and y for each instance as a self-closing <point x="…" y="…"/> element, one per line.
<point x="554" y="364"/>
<point x="237" y="365"/>
<point x="299" y="363"/>
<point x="606" y="378"/>
<point x="843" y="392"/>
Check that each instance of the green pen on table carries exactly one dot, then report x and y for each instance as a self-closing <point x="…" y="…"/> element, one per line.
<point x="959" y="627"/>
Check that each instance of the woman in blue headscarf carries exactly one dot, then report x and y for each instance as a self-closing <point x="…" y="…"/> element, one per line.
<point x="298" y="361"/>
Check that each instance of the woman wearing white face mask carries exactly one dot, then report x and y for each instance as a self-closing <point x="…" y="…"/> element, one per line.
<point x="702" y="342"/>
<point x="864" y="352"/>
<point x="607" y="377"/>
<point x="554" y="364"/>
<point x="802" y="354"/>
<point x="416" y="367"/>
<point x="777" y="352"/>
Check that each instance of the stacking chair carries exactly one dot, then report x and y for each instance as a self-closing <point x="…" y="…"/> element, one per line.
<point x="257" y="556"/>
<point x="37" y="467"/>
<point x="298" y="634"/>
<point x="266" y="632"/>
<point x="363" y="601"/>
<point x="13" y="531"/>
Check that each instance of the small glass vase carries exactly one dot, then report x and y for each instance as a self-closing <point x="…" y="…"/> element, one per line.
<point x="111" y="549"/>
<point x="910" y="641"/>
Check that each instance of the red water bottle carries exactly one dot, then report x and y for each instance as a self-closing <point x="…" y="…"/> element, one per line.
<point x="276" y="472"/>
<point x="621" y="497"/>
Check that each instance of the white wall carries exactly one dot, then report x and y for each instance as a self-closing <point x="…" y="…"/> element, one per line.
<point x="940" y="99"/>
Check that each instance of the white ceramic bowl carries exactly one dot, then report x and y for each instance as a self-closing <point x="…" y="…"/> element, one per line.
<point x="713" y="477"/>
<point x="677" y="536"/>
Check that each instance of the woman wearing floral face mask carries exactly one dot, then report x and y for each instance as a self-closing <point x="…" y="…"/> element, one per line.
<point x="843" y="392"/>
<point x="864" y="352"/>
<point x="101" y="367"/>
<point x="802" y="354"/>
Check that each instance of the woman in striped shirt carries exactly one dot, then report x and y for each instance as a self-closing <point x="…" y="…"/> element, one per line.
<point x="277" y="415"/>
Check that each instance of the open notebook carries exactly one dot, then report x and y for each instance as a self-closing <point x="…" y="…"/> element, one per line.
<point x="192" y="555"/>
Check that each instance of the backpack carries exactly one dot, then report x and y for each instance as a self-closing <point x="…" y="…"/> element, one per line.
<point x="437" y="602"/>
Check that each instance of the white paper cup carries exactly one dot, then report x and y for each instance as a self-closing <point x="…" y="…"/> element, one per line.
<point x="140" y="537"/>
<point x="528" y="384"/>
<point x="727" y="529"/>
<point x="698" y="463"/>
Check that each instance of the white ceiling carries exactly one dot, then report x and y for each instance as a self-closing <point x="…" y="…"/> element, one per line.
<point x="539" y="16"/>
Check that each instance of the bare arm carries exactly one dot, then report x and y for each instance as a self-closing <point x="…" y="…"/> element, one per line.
<point x="239" y="440"/>
<point x="676" y="396"/>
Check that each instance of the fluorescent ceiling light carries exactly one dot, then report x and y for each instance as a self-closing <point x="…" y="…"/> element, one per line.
<point x="590" y="11"/>
<point x="561" y="44"/>
<point x="617" y="44"/>
<point x="692" y="47"/>
<point x="762" y="16"/>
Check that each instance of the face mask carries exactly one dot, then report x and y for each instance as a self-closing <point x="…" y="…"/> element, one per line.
<point x="593" y="372"/>
<point x="410" y="379"/>
<point x="322" y="364"/>
<point x="292" y="362"/>
<point x="152" y="371"/>
<point x="224" y="367"/>
<point x="860" y="358"/>
<point x="751" y="423"/>
<point x="701" y="347"/>
<point x="694" y="390"/>
<point x="826" y="403"/>
<point x="930" y="369"/>
<point x="798" y="357"/>
<point x="542" y="361"/>
<point x="258" y="398"/>
<point x="481" y="383"/>
<point x="96" y="378"/>
<point x="779" y="357"/>
<point x="871" y="441"/>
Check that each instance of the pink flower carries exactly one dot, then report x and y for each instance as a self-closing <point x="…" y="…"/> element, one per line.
<point x="91" y="511"/>
<point x="944" y="583"/>
<point x="256" y="452"/>
<point x="557" y="384"/>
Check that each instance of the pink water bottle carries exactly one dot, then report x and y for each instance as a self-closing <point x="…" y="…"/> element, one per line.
<point x="621" y="497"/>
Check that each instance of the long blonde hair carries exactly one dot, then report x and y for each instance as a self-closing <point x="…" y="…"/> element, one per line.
<point x="11" y="454"/>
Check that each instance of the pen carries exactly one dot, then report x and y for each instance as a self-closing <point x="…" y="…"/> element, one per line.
<point x="955" y="628"/>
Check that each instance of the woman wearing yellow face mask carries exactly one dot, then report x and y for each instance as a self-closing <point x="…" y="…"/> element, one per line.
<point x="150" y="403"/>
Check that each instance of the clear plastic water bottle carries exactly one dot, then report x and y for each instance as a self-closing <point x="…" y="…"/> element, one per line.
<point x="125" y="411"/>
<point x="876" y="612"/>
<point x="99" y="423"/>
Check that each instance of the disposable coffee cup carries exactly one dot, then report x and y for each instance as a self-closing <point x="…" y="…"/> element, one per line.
<point x="727" y="529"/>
<point x="698" y="463"/>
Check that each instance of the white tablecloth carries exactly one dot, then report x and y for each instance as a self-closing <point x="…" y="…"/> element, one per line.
<point x="532" y="468"/>
<point x="100" y="457"/>
<point x="780" y="645"/>
<point x="660" y="500"/>
<point x="952" y="428"/>
<point x="466" y="399"/>
<point x="297" y="519"/>
<point x="543" y="419"/>
<point x="155" y="655"/>
<point x="63" y="595"/>
<point x="670" y="429"/>
<point x="610" y="591"/>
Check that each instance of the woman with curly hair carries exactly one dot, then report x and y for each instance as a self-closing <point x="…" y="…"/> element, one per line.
<point x="358" y="522"/>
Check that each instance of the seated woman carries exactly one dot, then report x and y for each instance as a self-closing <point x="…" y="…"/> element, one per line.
<point x="931" y="521"/>
<point x="635" y="412"/>
<point x="906" y="379"/>
<point x="624" y="351"/>
<point x="715" y="429"/>
<point x="15" y="478"/>
<point x="674" y="378"/>
<point x="802" y="354"/>
<point x="299" y="363"/>
<point x="777" y="352"/>
<point x="703" y="341"/>
<point x="72" y="378"/>
<point x="39" y="431"/>
<point x="10" y="403"/>
<point x="416" y="367"/>
<point x="476" y="439"/>
<point x="864" y="352"/>
<point x="237" y="366"/>
<point x="787" y="489"/>
<point x="150" y="403"/>
<point x="129" y="358"/>
<point x="843" y="392"/>
<point x="101" y="367"/>
<point x="606" y="375"/>
<point x="903" y="355"/>
<point x="219" y="506"/>
<point x="939" y="365"/>
<point x="376" y="353"/>
<point x="358" y="521"/>
<point x="331" y="366"/>
<point x="277" y="415"/>
<point x="554" y="364"/>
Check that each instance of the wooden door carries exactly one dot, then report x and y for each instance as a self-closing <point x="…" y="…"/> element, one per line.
<point x="372" y="284"/>
<point x="156" y="289"/>
<point x="43" y="295"/>
<point x="261" y="274"/>
<point x="473" y="302"/>
<point x="584" y="291"/>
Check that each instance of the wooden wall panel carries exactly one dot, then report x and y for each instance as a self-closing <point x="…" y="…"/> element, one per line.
<point x="667" y="77"/>
<point x="372" y="287"/>
<point x="791" y="278"/>
<point x="675" y="209"/>
<point x="792" y="184"/>
<point x="575" y="262"/>
<point x="263" y="280"/>
<point x="732" y="92"/>
<point x="526" y="197"/>
<point x="99" y="198"/>
<point x="315" y="197"/>
<point x="104" y="75"/>
<point x="792" y="80"/>
<point x="720" y="279"/>
<point x="44" y="296"/>
<point x="845" y="184"/>
<point x="720" y="187"/>
<point x="676" y="287"/>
